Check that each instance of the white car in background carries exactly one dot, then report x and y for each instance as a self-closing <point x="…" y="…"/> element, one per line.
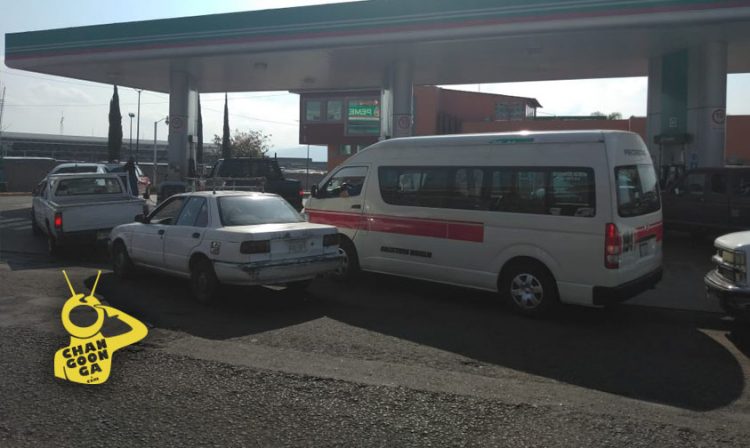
<point x="223" y="237"/>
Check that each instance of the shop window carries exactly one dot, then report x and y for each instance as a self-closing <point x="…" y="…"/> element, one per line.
<point x="313" y="110"/>
<point x="334" y="110"/>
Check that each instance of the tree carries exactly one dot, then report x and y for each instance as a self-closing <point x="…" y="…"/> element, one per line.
<point x="246" y="143"/>
<point x="598" y="114"/>
<point x="114" y="140"/>
<point x="614" y="116"/>
<point x="226" y="144"/>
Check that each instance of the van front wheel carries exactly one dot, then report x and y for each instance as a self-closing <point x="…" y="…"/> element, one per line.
<point x="349" y="267"/>
<point x="529" y="288"/>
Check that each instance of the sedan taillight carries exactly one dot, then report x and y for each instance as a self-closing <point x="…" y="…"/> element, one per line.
<point x="58" y="221"/>
<point x="331" y="240"/>
<point x="255" y="247"/>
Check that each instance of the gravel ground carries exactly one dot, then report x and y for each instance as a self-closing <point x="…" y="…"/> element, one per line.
<point x="155" y="399"/>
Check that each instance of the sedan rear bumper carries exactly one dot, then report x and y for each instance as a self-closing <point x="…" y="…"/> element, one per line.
<point x="269" y="273"/>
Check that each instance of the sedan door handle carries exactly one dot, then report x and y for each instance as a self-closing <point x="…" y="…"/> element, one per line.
<point x="357" y="206"/>
<point x="196" y="235"/>
<point x="161" y="232"/>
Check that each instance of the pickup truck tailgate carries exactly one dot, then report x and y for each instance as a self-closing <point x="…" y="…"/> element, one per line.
<point x="98" y="215"/>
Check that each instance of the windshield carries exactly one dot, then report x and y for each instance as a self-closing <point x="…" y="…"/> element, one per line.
<point x="76" y="169"/>
<point x="637" y="190"/>
<point x="88" y="185"/>
<point x="252" y="210"/>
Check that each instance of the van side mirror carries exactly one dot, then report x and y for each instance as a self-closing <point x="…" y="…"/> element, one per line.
<point x="141" y="218"/>
<point x="35" y="191"/>
<point x="314" y="191"/>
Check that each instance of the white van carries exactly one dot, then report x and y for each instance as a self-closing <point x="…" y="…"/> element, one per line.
<point x="543" y="218"/>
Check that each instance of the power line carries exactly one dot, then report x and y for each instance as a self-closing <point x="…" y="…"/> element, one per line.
<point x="79" y="105"/>
<point x="254" y="118"/>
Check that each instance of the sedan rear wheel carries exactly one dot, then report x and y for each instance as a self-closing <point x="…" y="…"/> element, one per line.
<point x="203" y="282"/>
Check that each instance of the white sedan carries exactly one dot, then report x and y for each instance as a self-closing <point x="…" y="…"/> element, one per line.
<point x="236" y="238"/>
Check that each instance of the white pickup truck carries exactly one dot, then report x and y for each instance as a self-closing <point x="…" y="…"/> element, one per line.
<point x="81" y="208"/>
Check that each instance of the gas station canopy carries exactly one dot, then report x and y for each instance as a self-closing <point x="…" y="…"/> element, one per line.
<point x="344" y="46"/>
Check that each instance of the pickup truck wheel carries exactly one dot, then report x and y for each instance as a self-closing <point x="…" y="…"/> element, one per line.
<point x="122" y="265"/>
<point x="52" y="247"/>
<point x="350" y="264"/>
<point x="203" y="282"/>
<point x="35" y="230"/>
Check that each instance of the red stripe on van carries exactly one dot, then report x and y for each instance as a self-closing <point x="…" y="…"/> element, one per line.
<point x="345" y="220"/>
<point x="433" y="228"/>
<point x="655" y="229"/>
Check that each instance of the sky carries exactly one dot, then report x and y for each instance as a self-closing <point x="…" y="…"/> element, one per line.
<point x="38" y="103"/>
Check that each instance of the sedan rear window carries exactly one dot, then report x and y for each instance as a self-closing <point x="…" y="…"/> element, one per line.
<point x="253" y="210"/>
<point x="637" y="190"/>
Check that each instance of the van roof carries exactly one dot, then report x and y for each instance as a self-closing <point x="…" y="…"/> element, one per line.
<point x="502" y="138"/>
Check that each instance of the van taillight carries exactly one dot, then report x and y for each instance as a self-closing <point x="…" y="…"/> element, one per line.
<point x="612" y="246"/>
<point x="58" y="221"/>
<point x="255" y="247"/>
<point x="301" y="192"/>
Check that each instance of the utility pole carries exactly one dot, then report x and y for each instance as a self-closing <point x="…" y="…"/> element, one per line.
<point x="62" y="124"/>
<point x="2" y="107"/>
<point x="138" y="127"/>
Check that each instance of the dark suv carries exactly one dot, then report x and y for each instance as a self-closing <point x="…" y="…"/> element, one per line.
<point x="253" y="174"/>
<point x="709" y="200"/>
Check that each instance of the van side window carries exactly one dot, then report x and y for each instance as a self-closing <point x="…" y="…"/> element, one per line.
<point x="572" y="193"/>
<point x="564" y="192"/>
<point x="347" y="182"/>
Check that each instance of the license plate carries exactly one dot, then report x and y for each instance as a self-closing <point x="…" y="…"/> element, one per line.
<point x="296" y="246"/>
<point x="644" y="249"/>
<point x="102" y="235"/>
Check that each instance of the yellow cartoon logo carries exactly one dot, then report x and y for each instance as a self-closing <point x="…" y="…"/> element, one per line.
<point x="88" y="358"/>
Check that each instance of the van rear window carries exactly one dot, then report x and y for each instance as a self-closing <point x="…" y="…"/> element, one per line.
<point x="637" y="190"/>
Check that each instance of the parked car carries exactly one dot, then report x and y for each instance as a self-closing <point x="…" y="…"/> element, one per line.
<point x="223" y="237"/>
<point x="81" y="208"/>
<point x="709" y="200"/>
<point x="727" y="283"/>
<point x="75" y="167"/>
<point x="540" y="217"/>
<point x="253" y="174"/>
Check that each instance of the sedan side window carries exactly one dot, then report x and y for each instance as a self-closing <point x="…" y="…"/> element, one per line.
<point x="191" y="211"/>
<point x="167" y="213"/>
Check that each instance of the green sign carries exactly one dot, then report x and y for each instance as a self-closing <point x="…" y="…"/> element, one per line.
<point x="674" y="90"/>
<point x="363" y="117"/>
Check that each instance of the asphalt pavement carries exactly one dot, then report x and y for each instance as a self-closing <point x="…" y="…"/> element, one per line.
<point x="380" y="362"/>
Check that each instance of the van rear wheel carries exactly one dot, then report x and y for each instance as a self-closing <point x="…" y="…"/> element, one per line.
<point x="529" y="288"/>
